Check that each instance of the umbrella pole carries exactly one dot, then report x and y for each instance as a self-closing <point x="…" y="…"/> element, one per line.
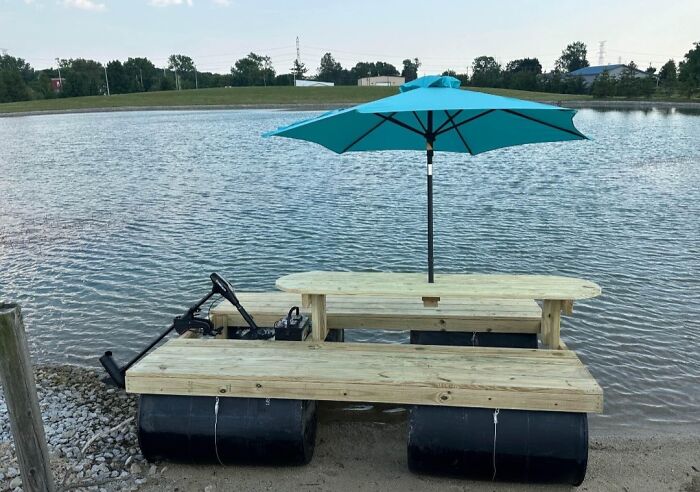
<point x="430" y="214"/>
<point x="429" y="151"/>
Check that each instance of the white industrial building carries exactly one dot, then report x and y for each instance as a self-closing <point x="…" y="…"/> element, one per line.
<point x="382" y="80"/>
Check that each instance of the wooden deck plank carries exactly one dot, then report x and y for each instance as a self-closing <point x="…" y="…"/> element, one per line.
<point x="385" y="373"/>
<point x="392" y="313"/>
<point x="446" y="285"/>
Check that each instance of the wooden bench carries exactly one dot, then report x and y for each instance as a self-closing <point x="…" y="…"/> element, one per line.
<point x="391" y="313"/>
<point x="520" y="379"/>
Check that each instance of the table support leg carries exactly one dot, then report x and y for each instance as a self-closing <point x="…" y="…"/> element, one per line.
<point x="319" y="325"/>
<point x="551" y="322"/>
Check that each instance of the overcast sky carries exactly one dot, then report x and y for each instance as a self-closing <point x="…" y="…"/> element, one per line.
<point x="442" y="34"/>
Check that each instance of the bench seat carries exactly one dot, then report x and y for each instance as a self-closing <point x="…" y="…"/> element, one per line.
<point x="521" y="379"/>
<point x="392" y="313"/>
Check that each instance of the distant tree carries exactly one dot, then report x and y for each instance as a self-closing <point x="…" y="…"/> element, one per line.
<point x="253" y="70"/>
<point x="330" y="70"/>
<point x="183" y="66"/>
<point x="299" y="69"/>
<point x="13" y="86"/>
<point x="668" y="76"/>
<point x="143" y="74"/>
<point x="650" y="70"/>
<point x="82" y="78"/>
<point x="627" y="84"/>
<point x="689" y="71"/>
<point x="119" y="81"/>
<point x="486" y="72"/>
<point x="572" y="58"/>
<point x="604" y="85"/>
<point x="522" y="74"/>
<point x="372" y="69"/>
<point x="410" y="69"/>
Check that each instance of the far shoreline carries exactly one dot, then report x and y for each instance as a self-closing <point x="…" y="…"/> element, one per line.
<point x="574" y="104"/>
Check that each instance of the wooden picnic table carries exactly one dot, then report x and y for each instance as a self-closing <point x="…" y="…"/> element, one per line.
<point x="557" y="293"/>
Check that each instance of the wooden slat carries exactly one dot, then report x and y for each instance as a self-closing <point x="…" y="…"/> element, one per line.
<point x="446" y="285"/>
<point x="347" y="312"/>
<point x="386" y="373"/>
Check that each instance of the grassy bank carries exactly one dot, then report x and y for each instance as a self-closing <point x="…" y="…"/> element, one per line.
<point x="246" y="96"/>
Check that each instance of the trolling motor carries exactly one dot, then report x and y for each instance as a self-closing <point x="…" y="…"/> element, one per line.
<point x="190" y="322"/>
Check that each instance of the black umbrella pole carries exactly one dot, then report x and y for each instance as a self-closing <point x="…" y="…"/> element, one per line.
<point x="430" y="213"/>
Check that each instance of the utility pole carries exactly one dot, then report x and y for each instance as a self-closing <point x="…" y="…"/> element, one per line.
<point x="196" y="84"/>
<point x="141" y="76"/>
<point x="106" y="79"/>
<point x="60" y="80"/>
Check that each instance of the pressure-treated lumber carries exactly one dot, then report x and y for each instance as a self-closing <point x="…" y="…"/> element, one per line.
<point x="391" y="313"/>
<point x="17" y="380"/>
<point x="551" y="322"/>
<point x="525" y="379"/>
<point x="446" y="285"/>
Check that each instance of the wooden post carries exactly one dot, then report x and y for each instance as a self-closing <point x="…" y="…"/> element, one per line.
<point x="17" y="380"/>
<point x="319" y="325"/>
<point x="551" y="323"/>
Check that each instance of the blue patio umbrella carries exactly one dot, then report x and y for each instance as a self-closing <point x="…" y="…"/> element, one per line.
<point x="432" y="113"/>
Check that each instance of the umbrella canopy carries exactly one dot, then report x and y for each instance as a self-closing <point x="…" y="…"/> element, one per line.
<point x="433" y="113"/>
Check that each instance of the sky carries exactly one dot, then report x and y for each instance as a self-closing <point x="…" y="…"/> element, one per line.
<point x="443" y="35"/>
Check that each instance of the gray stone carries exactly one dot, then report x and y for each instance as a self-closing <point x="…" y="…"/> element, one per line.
<point x="135" y="469"/>
<point x="15" y="482"/>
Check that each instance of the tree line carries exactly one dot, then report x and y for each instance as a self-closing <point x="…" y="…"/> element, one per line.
<point x="80" y="77"/>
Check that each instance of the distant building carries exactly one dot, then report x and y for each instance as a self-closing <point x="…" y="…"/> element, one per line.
<point x="589" y="74"/>
<point x="383" y="80"/>
<point x="312" y="83"/>
<point x="57" y="84"/>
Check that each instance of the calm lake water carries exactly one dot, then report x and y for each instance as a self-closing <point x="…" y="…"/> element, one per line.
<point x="110" y="224"/>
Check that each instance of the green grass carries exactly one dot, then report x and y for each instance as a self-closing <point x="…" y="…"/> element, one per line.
<point x="244" y="96"/>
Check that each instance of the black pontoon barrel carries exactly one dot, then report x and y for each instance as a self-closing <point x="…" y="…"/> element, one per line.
<point x="477" y="339"/>
<point x="190" y="429"/>
<point x="524" y="446"/>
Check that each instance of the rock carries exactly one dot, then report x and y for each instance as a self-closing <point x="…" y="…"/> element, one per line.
<point x="152" y="470"/>
<point x="135" y="469"/>
<point x="128" y="460"/>
<point x="12" y="472"/>
<point x="209" y="488"/>
<point x="15" y="482"/>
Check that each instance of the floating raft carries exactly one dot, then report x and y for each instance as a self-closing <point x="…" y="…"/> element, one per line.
<point x="503" y="409"/>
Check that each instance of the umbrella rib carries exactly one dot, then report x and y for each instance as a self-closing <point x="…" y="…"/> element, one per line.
<point x="566" y="130"/>
<point x="358" y="139"/>
<point x="468" y="120"/>
<point x="420" y="122"/>
<point x="393" y="120"/>
<point x="461" y="137"/>
<point x="448" y="120"/>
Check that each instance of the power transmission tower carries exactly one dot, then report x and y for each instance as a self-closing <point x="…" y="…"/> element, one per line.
<point x="298" y="61"/>
<point x="601" y="53"/>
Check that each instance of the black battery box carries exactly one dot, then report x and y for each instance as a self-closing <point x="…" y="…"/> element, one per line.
<point x="294" y="327"/>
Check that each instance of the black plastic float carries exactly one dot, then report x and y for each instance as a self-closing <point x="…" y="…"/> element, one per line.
<point x="523" y="446"/>
<point x="194" y="429"/>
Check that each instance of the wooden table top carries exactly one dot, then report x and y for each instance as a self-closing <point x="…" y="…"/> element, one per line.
<point x="446" y="285"/>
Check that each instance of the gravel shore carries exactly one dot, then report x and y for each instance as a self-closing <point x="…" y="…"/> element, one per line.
<point x="92" y="439"/>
